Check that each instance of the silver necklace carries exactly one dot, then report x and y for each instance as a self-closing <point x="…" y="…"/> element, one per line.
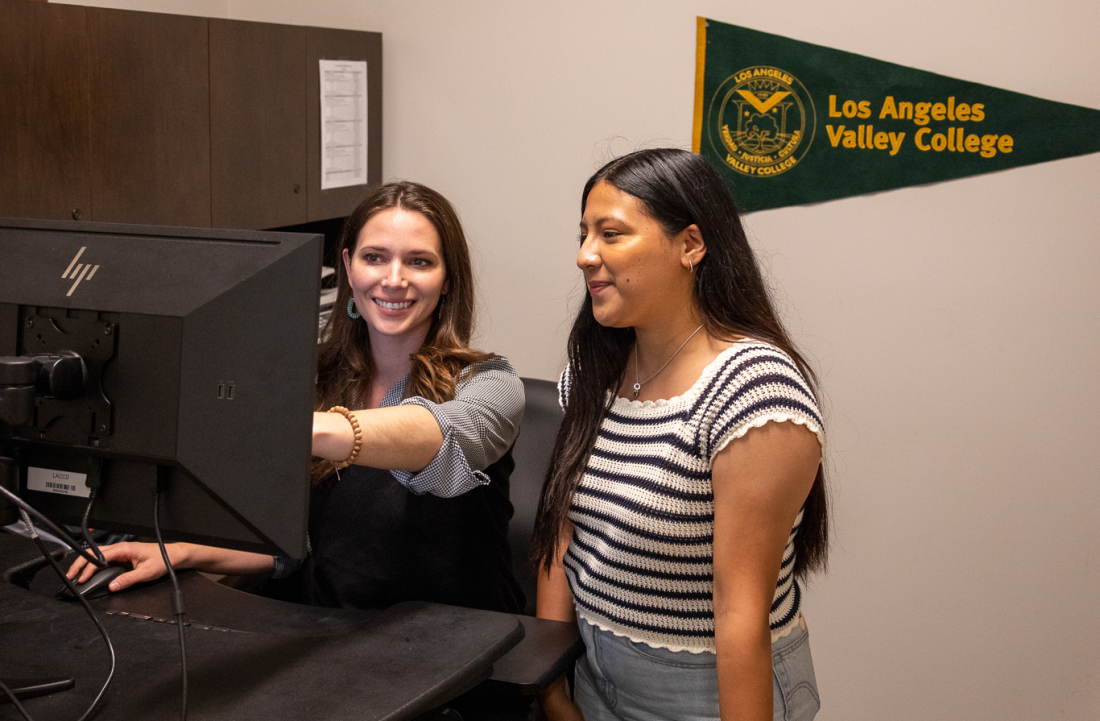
<point x="638" y="383"/>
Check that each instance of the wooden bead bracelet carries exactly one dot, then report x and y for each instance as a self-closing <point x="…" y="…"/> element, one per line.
<point x="358" y="435"/>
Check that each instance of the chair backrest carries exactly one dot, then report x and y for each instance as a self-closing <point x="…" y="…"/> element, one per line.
<point x="532" y="456"/>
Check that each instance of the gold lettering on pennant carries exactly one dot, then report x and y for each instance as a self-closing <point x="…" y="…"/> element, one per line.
<point x="778" y="168"/>
<point x="956" y="140"/>
<point x="937" y="139"/>
<point x="738" y="165"/>
<point x="895" y="142"/>
<point x="770" y="73"/>
<point x="922" y="113"/>
<point x="889" y="109"/>
<point x="796" y="136"/>
<point x="922" y="117"/>
<point x="866" y="137"/>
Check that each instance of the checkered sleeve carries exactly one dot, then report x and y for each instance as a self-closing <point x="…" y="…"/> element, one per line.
<point x="284" y="566"/>
<point x="478" y="427"/>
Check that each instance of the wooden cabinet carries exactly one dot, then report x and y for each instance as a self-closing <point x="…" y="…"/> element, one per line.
<point x="135" y="117"/>
<point x="150" y="118"/>
<point x="44" y="147"/>
<point x="257" y="124"/>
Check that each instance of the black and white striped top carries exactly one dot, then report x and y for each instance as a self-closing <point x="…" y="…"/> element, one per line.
<point x="640" y="563"/>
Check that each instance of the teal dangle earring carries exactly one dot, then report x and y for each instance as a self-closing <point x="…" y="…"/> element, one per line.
<point x="351" y="309"/>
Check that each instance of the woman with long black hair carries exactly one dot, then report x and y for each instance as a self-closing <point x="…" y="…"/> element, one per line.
<point x="686" y="495"/>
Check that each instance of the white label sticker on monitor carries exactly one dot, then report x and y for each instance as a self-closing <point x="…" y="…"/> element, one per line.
<point x="66" y="483"/>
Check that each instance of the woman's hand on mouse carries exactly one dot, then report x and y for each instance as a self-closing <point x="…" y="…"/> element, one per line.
<point x="145" y="559"/>
<point x="148" y="565"/>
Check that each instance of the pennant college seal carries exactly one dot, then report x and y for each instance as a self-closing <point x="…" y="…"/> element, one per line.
<point x="761" y="120"/>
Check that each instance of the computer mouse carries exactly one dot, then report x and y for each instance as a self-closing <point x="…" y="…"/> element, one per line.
<point x="95" y="586"/>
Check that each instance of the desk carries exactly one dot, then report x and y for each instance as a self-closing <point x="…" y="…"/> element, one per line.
<point x="248" y="657"/>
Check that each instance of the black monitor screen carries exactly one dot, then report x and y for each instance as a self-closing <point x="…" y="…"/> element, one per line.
<point x="187" y="350"/>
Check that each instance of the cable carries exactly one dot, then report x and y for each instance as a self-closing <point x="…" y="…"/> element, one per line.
<point x="56" y="530"/>
<point x="87" y="607"/>
<point x="88" y="540"/>
<point x="177" y="598"/>
<point x="15" y="701"/>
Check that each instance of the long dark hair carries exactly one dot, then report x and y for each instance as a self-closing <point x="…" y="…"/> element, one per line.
<point x="345" y="367"/>
<point x="677" y="189"/>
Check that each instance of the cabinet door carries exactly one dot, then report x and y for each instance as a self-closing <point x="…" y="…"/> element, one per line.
<point x="257" y="124"/>
<point x="43" y="111"/>
<point x="326" y="44"/>
<point x="150" y="118"/>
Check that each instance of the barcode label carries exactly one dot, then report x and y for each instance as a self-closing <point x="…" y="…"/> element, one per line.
<point x="48" y="480"/>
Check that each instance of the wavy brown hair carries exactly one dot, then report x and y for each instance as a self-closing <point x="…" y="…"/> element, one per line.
<point x="345" y="366"/>
<point x="677" y="189"/>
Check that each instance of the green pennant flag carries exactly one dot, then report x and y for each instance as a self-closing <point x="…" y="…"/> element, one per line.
<point x="787" y="122"/>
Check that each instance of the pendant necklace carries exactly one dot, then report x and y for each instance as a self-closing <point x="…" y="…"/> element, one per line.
<point x="638" y="383"/>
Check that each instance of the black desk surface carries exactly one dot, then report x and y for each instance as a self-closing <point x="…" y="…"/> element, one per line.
<point x="248" y="657"/>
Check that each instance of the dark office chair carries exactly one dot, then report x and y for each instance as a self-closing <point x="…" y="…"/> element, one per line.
<point x="532" y="456"/>
<point x="549" y="648"/>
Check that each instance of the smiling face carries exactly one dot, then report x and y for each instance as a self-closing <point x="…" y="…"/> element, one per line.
<point x="634" y="272"/>
<point x="397" y="274"/>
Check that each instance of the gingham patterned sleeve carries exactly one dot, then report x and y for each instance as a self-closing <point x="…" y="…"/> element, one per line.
<point x="284" y="566"/>
<point x="478" y="427"/>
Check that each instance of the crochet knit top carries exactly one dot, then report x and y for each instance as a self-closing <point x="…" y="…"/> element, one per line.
<point x="640" y="563"/>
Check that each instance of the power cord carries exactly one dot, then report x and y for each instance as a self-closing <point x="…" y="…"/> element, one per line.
<point x="15" y="701"/>
<point x="177" y="598"/>
<point x="87" y="534"/>
<point x="62" y="535"/>
<point x="83" y="602"/>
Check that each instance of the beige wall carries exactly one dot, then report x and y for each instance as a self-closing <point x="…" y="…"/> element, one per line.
<point x="954" y="325"/>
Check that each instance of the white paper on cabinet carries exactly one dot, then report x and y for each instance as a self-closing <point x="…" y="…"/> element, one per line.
<point x="343" y="123"/>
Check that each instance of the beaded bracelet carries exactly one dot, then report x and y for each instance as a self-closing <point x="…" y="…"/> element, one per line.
<point x="358" y="435"/>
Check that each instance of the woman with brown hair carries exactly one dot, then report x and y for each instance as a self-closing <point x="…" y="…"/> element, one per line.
<point x="409" y="488"/>
<point x="685" y="496"/>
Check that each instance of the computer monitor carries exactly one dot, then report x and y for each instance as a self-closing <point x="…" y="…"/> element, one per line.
<point x="198" y="352"/>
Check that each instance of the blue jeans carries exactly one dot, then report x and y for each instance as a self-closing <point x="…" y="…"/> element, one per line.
<point x="618" y="679"/>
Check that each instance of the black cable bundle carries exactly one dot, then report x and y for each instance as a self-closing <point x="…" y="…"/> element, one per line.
<point x="83" y="602"/>
<point x="177" y="599"/>
<point x="26" y="511"/>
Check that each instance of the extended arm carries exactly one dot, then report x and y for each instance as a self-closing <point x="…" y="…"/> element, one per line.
<point x="760" y="482"/>
<point x="439" y="448"/>
<point x="148" y="564"/>
<point x="404" y="438"/>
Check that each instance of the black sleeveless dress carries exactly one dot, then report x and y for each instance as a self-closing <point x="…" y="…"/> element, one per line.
<point x="375" y="543"/>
